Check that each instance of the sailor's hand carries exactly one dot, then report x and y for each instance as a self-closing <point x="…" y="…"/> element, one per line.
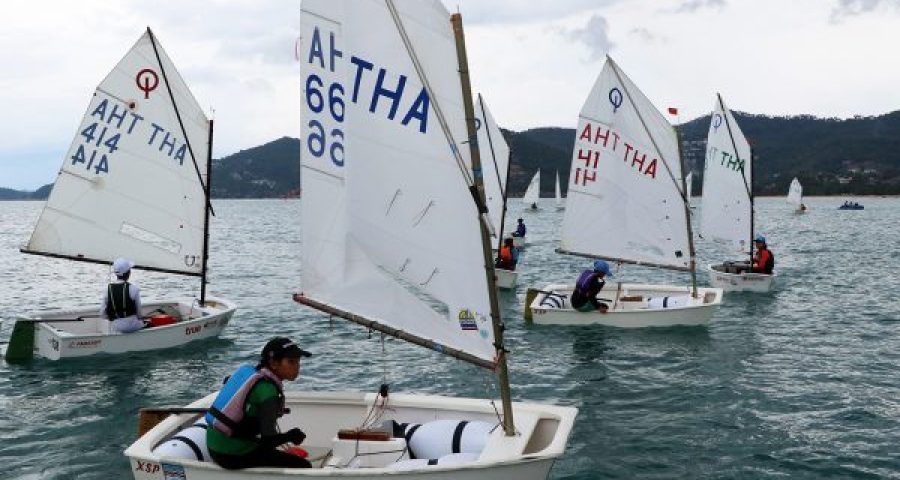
<point x="296" y="436"/>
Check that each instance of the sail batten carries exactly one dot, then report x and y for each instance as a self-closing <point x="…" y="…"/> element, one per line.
<point x="129" y="185"/>
<point x="726" y="214"/>
<point x="622" y="201"/>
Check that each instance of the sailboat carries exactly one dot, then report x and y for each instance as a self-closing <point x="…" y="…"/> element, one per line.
<point x="380" y="197"/>
<point x="496" y="172"/>
<point x="795" y="196"/>
<point x="626" y="203"/>
<point x="134" y="183"/>
<point x="533" y="192"/>
<point x="727" y="213"/>
<point x="559" y="202"/>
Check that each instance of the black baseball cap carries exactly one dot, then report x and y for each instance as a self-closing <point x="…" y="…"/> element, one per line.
<point x="281" y="347"/>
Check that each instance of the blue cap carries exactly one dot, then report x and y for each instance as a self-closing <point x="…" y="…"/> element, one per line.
<point x="759" y="238"/>
<point x="602" y="266"/>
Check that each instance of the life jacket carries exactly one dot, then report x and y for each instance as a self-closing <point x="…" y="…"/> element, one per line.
<point x="118" y="303"/>
<point x="765" y="261"/>
<point x="228" y="411"/>
<point x="584" y="288"/>
<point x="506" y="257"/>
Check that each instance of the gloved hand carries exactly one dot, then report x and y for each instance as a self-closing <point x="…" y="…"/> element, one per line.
<point x="295" y="436"/>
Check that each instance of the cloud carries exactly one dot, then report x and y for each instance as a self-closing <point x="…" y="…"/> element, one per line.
<point x="691" y="6"/>
<point x="645" y="35"/>
<point x="494" y="12"/>
<point x="848" y="8"/>
<point x="594" y="35"/>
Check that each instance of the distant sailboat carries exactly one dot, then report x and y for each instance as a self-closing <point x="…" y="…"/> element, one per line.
<point x="135" y="184"/>
<point x="795" y="196"/>
<point x="395" y="238"/>
<point x="533" y="192"/>
<point x="727" y="213"/>
<point x="630" y="211"/>
<point x="559" y="201"/>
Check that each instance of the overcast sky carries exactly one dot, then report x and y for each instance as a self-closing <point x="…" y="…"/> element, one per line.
<point x="534" y="60"/>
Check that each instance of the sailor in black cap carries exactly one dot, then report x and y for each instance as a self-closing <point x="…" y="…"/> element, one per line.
<point x="243" y="418"/>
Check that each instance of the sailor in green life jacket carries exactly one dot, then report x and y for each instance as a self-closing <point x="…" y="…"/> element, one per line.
<point x="589" y="284"/>
<point x="122" y="300"/>
<point x="243" y="429"/>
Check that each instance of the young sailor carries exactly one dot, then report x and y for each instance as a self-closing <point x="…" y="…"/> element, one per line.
<point x="243" y="418"/>
<point x="764" y="259"/>
<point x="508" y="256"/>
<point x="122" y="300"/>
<point x="589" y="284"/>
<point x="520" y="229"/>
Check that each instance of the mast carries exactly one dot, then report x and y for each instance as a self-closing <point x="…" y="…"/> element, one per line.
<point x="687" y="219"/>
<point x="748" y="186"/>
<point x="478" y="193"/>
<point x="207" y="190"/>
<point x="751" y="206"/>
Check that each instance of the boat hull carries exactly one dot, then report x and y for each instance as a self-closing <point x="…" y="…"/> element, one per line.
<point x="740" y="282"/>
<point x="520" y="242"/>
<point x="506" y="279"/>
<point x="543" y="431"/>
<point x="631" y="306"/>
<point x="63" y="340"/>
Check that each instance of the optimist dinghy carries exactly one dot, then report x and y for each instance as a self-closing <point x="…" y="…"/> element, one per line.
<point x="134" y="183"/>
<point x="795" y="196"/>
<point x="496" y="172"/>
<point x="381" y="196"/>
<point x="627" y="203"/>
<point x="727" y="213"/>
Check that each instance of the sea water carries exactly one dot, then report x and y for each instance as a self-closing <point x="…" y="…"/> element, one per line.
<point x="799" y="383"/>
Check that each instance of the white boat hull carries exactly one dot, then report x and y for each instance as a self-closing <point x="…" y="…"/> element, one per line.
<point x="630" y="306"/>
<point x="520" y="242"/>
<point x="740" y="282"/>
<point x="60" y="340"/>
<point x="506" y="279"/>
<point x="542" y="434"/>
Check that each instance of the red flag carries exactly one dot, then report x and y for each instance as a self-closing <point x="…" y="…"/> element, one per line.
<point x="673" y="111"/>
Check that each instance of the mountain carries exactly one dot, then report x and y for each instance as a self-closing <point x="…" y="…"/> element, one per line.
<point x="830" y="156"/>
<point x="860" y="155"/>
<point x="269" y="170"/>
<point x="39" y="194"/>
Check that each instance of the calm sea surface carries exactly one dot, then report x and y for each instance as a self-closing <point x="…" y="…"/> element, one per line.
<point x="800" y="383"/>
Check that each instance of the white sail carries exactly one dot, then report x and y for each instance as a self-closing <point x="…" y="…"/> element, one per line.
<point x="558" y="194"/>
<point x="390" y="229"/>
<point x="624" y="199"/>
<point x="131" y="184"/>
<point x="494" y="162"/>
<point x="795" y="194"/>
<point x="533" y="192"/>
<point x="727" y="179"/>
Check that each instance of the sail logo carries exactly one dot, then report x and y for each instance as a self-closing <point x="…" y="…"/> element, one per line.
<point x="467" y="319"/>
<point x="615" y="98"/>
<point x="385" y="93"/>
<point x="147" y="80"/>
<point x="613" y="143"/>
<point x="717" y="122"/>
<point x="727" y="159"/>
